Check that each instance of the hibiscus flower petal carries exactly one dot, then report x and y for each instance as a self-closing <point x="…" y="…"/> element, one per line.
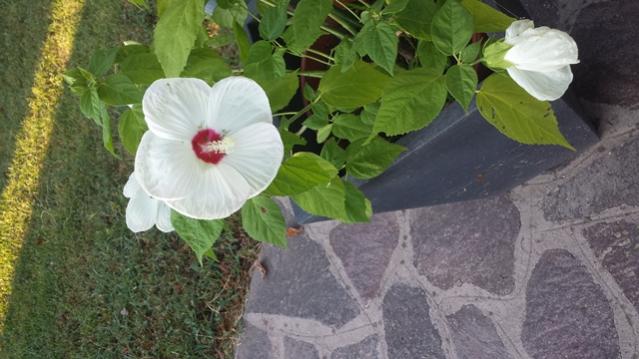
<point x="257" y="155"/>
<point x="237" y="102"/>
<point x="163" y="221"/>
<point x="166" y="169"/>
<point x="545" y="86"/>
<point x="131" y="187"/>
<point x="141" y="212"/>
<point x="218" y="192"/>
<point x="543" y="49"/>
<point x="516" y="28"/>
<point x="176" y="108"/>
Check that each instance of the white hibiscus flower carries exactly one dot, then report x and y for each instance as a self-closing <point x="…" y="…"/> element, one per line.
<point x="540" y="59"/>
<point x="143" y="211"/>
<point x="208" y="149"/>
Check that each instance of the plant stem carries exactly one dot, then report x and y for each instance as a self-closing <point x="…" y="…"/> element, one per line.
<point x="314" y="59"/>
<point x="314" y="74"/>
<point x="284" y="113"/>
<point x="301" y="130"/>
<point x="348" y="9"/>
<point x="364" y="3"/>
<point x="342" y="24"/>
<point x="301" y="112"/>
<point x="312" y="51"/>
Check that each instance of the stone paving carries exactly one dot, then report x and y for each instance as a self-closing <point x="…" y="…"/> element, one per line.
<point x="547" y="270"/>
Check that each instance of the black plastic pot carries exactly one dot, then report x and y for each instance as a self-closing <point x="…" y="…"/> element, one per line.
<point x="461" y="157"/>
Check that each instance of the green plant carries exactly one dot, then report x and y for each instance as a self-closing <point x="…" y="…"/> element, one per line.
<point x="397" y="64"/>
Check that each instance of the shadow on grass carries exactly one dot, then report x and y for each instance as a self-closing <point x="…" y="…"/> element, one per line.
<point x="24" y="33"/>
<point x="84" y="286"/>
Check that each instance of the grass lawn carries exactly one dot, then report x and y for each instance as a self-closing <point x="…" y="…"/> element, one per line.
<point x="84" y="286"/>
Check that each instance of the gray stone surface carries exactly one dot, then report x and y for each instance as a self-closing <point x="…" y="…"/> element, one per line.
<point x="567" y="314"/>
<point x="253" y="344"/>
<point x="475" y="335"/>
<point x="366" y="349"/>
<point x="407" y="323"/>
<point x="616" y="245"/>
<point x="365" y="250"/>
<point x="298" y="283"/>
<point x="467" y="242"/>
<point x="609" y="182"/>
<point x="295" y="349"/>
<point x="549" y="270"/>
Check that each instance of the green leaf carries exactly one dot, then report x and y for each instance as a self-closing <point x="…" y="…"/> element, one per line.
<point x="273" y="19"/>
<point x="379" y="42"/>
<point x="327" y="200"/>
<point x="452" y="27"/>
<point x="319" y="118"/>
<point x="309" y="16"/>
<point x="290" y="139"/>
<point x="395" y="6"/>
<point x="280" y="90"/>
<point x="333" y="153"/>
<point x="357" y="207"/>
<point x="430" y="57"/>
<point x="369" y="160"/>
<point x="411" y="102"/>
<point x="200" y="235"/>
<point x="324" y="132"/>
<point x="461" y="81"/>
<point x="142" y="68"/>
<point x="345" y="55"/>
<point x="335" y="200"/>
<point x="242" y="41"/>
<point x="90" y="105"/>
<point x="102" y="60"/>
<point x="206" y="64"/>
<point x="262" y="220"/>
<point x="351" y="127"/>
<point x="176" y="32"/>
<point x="360" y="85"/>
<point x="263" y="62"/>
<point x="107" y="138"/>
<point x="486" y="18"/>
<point x="301" y="172"/>
<point x="118" y="90"/>
<point x="417" y="17"/>
<point x="470" y="52"/>
<point x="229" y="13"/>
<point x="517" y="114"/>
<point x="131" y="127"/>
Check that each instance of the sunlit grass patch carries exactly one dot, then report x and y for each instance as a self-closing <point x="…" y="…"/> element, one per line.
<point x="32" y="142"/>
<point x="84" y="286"/>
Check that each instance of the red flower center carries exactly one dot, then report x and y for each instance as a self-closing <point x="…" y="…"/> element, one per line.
<point x="209" y="146"/>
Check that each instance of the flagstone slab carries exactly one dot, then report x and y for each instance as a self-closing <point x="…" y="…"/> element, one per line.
<point x="475" y="335"/>
<point x="254" y="344"/>
<point x="567" y="313"/>
<point x="298" y="283"/>
<point x="296" y="349"/>
<point x="407" y="324"/>
<point x="467" y="242"/>
<point x="366" y="349"/>
<point x="365" y="250"/>
<point x="610" y="181"/>
<point x="616" y="245"/>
